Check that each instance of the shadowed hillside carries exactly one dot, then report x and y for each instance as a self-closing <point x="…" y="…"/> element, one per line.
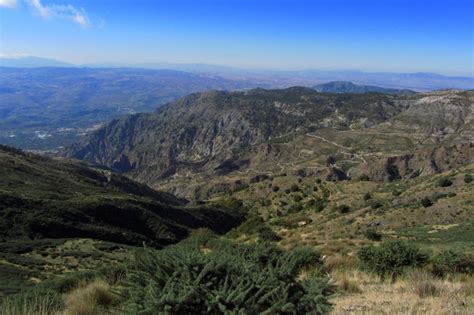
<point x="45" y="198"/>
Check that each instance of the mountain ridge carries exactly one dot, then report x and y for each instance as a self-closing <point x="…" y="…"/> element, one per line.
<point x="208" y="138"/>
<point x="349" y="87"/>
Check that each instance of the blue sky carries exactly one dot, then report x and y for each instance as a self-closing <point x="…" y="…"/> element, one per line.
<point x="370" y="35"/>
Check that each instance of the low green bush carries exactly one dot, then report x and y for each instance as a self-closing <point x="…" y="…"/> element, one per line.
<point x="373" y="235"/>
<point x="468" y="178"/>
<point x="343" y="209"/>
<point x="444" y="182"/>
<point x="426" y="202"/>
<point x="390" y="259"/>
<point x="254" y="225"/>
<point x="449" y="262"/>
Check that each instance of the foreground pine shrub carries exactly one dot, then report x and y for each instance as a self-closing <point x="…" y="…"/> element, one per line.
<point x="219" y="276"/>
<point x="390" y="259"/>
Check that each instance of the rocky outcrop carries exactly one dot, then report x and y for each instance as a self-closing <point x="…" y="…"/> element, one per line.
<point x="421" y="162"/>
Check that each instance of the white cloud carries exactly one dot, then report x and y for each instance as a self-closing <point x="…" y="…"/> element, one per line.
<point x="65" y="11"/>
<point x="42" y="10"/>
<point x="8" y="3"/>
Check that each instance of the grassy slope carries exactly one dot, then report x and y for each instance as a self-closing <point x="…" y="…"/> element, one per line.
<point x="394" y="209"/>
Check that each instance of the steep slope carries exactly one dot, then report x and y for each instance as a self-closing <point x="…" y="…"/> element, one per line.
<point x="46" y="198"/>
<point x="349" y="87"/>
<point x="217" y="142"/>
<point x="201" y="130"/>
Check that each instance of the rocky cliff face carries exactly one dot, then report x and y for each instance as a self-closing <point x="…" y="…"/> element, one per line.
<point x="200" y="127"/>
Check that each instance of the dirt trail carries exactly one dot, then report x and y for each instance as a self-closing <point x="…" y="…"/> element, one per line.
<point x="339" y="146"/>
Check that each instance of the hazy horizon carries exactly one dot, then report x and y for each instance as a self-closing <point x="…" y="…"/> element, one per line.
<point x="371" y="36"/>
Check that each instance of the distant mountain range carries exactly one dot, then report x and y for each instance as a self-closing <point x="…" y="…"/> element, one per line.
<point x="349" y="87"/>
<point x="32" y="62"/>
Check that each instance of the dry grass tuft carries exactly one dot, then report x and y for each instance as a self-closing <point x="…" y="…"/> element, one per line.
<point x="90" y="299"/>
<point x="345" y="284"/>
<point x="338" y="261"/>
<point x="416" y="293"/>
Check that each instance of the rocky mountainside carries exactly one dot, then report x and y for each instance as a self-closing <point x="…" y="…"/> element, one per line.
<point x="349" y="87"/>
<point x="47" y="198"/>
<point x="213" y="142"/>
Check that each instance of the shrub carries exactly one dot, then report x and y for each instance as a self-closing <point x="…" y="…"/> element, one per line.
<point x="396" y="193"/>
<point x="373" y="235"/>
<point x="364" y="178"/>
<point x="444" y="182"/>
<point x="343" y="209"/>
<point x="426" y="202"/>
<point x="228" y="278"/>
<point x="275" y="188"/>
<point x="294" y="188"/>
<point x="367" y="196"/>
<point x="254" y="225"/>
<point x="467" y="178"/>
<point x="376" y="205"/>
<point x="449" y="262"/>
<point x="331" y="160"/>
<point x="390" y="259"/>
<point x="317" y="204"/>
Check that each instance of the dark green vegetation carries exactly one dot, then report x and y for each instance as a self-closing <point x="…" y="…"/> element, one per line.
<point x="44" y="202"/>
<point x="202" y="276"/>
<point x="42" y="197"/>
<point x="391" y="259"/>
<point x="43" y="108"/>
